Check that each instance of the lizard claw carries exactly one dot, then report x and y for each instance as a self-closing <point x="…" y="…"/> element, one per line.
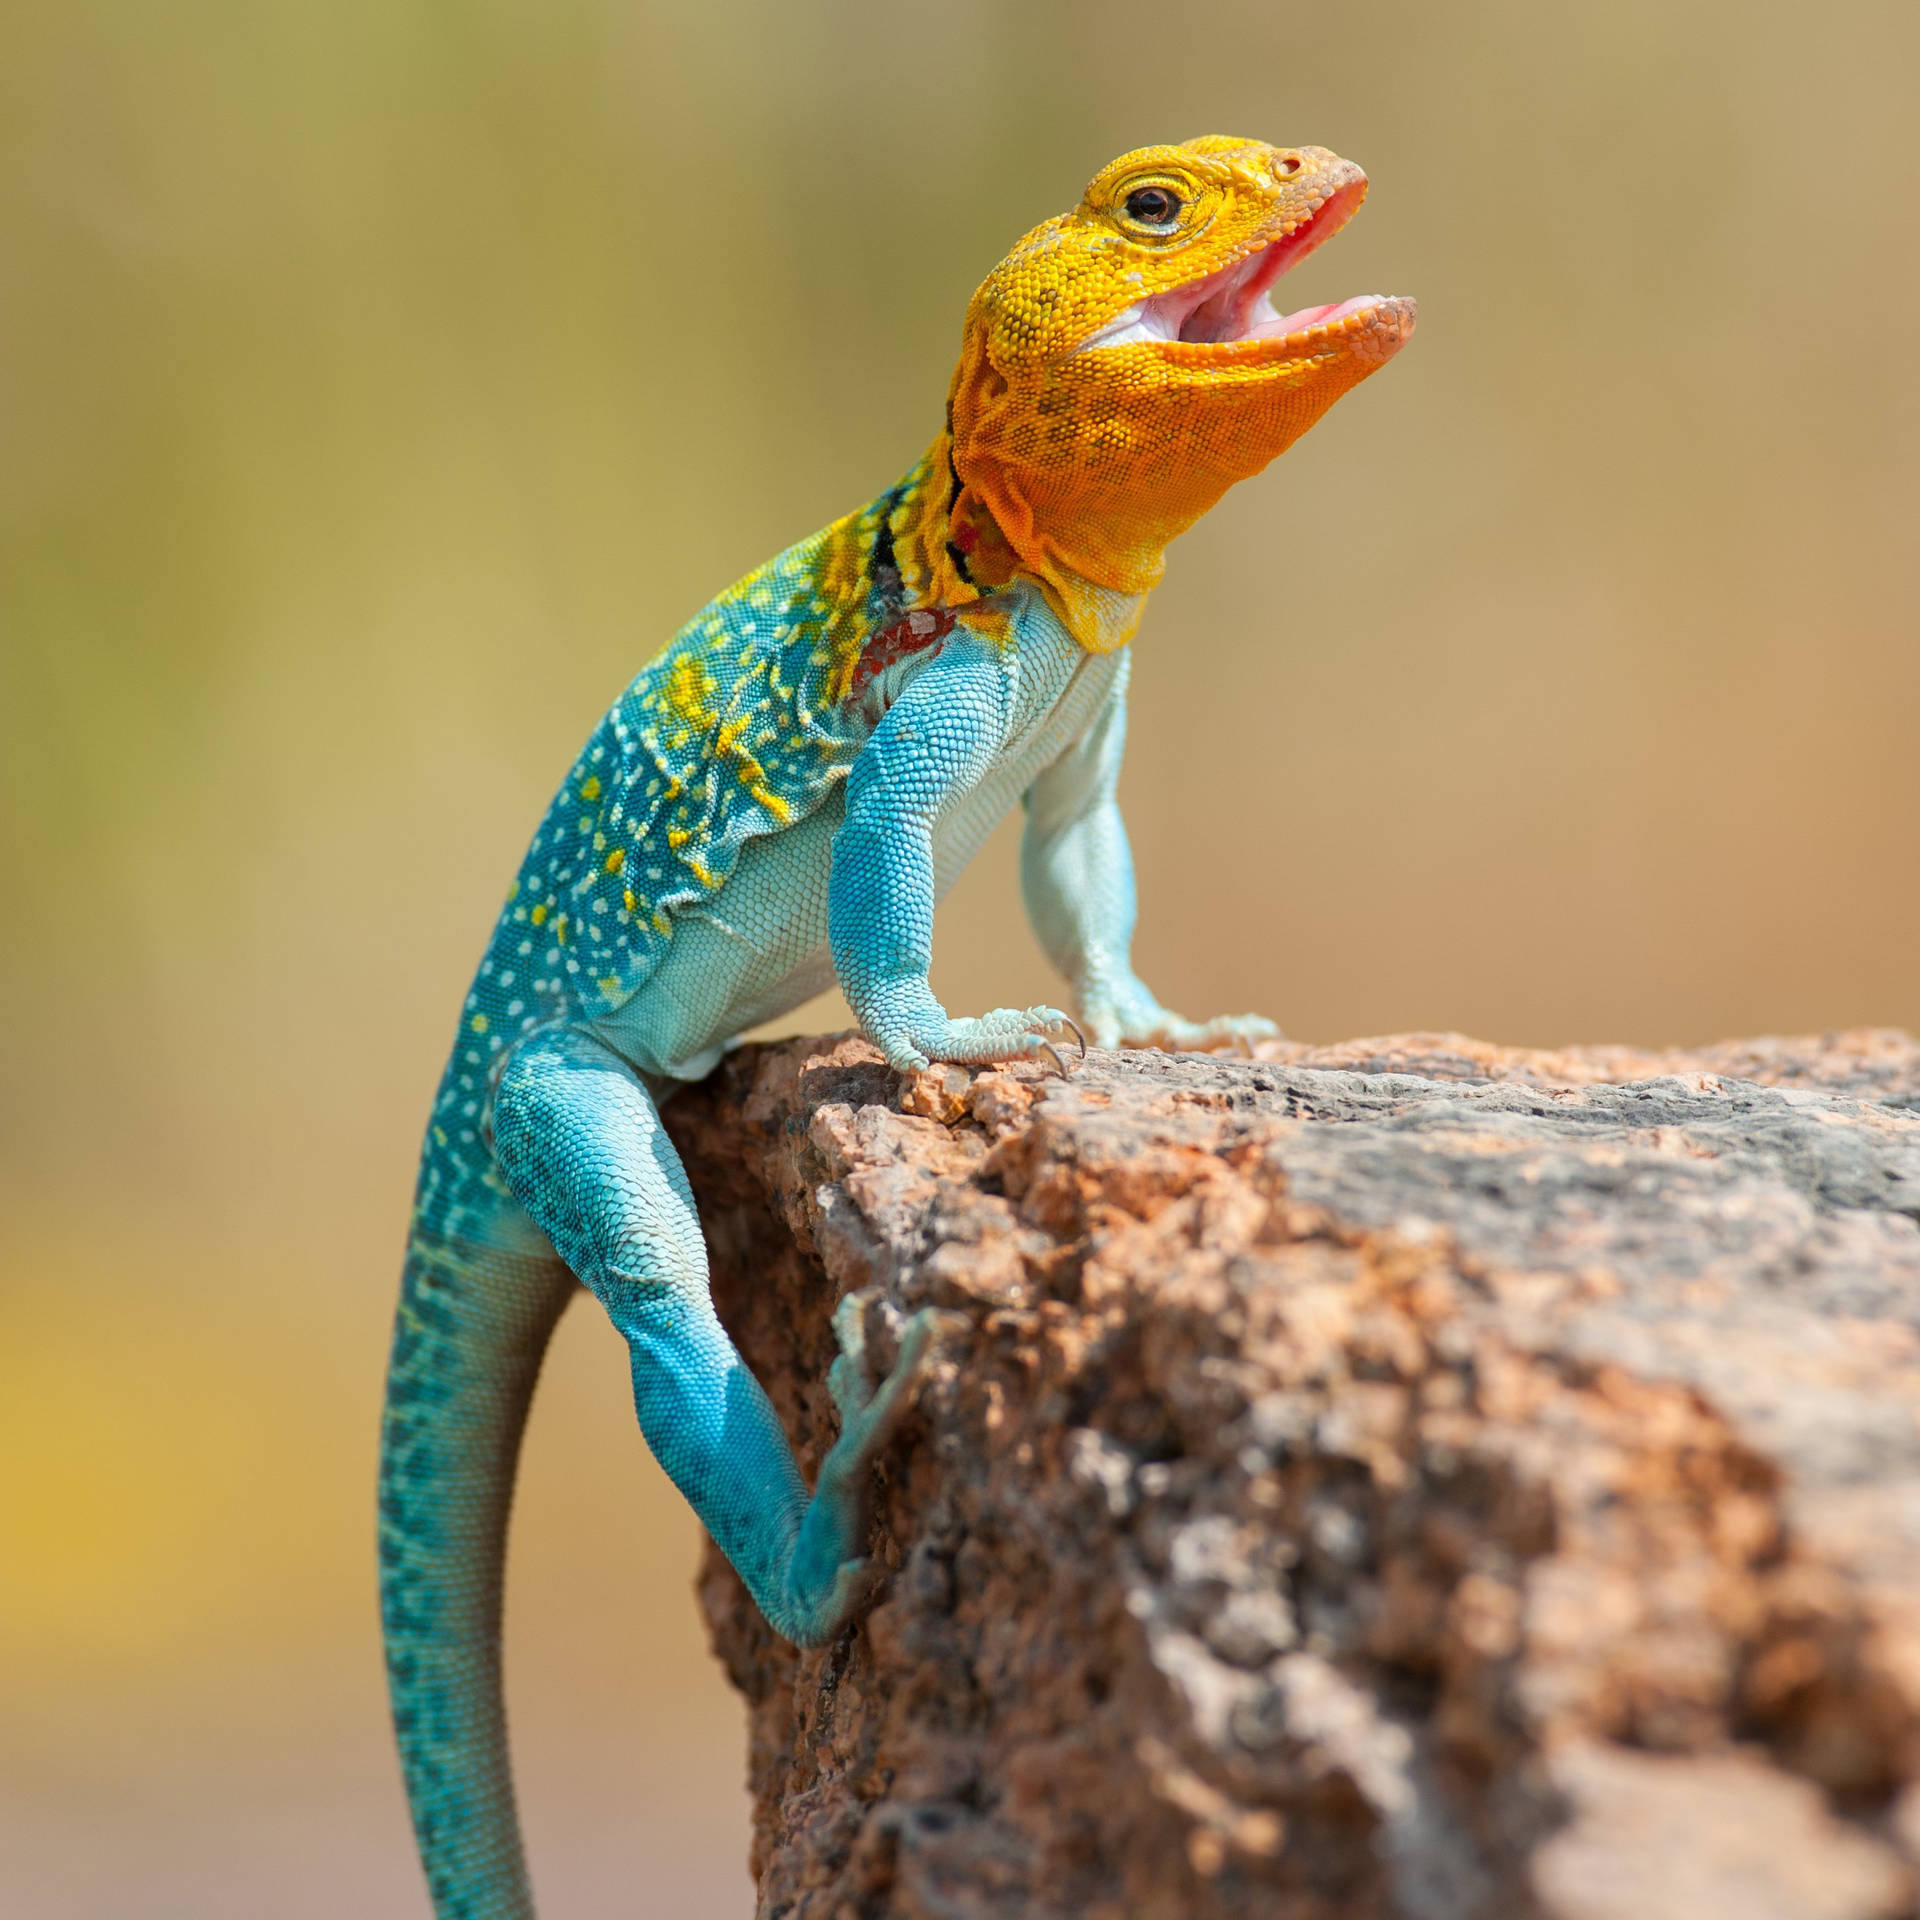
<point x="827" y="1578"/>
<point x="1007" y="1033"/>
<point x="1053" y="1053"/>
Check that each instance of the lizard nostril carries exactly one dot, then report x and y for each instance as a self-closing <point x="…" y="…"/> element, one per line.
<point x="1286" y="163"/>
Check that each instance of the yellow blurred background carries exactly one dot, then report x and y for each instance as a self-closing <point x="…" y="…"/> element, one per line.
<point x="381" y="382"/>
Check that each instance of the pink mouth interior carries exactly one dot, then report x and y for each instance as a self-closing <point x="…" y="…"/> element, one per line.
<point x="1233" y="304"/>
<point x="1308" y="317"/>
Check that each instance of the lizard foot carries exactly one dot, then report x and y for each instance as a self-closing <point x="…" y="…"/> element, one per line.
<point x="1156" y="1027"/>
<point x="869" y="1414"/>
<point x="1007" y="1033"/>
<point x="828" y="1582"/>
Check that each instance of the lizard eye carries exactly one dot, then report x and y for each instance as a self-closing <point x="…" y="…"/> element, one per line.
<point x="1153" y="206"/>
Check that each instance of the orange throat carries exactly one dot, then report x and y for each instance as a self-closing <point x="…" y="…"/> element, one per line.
<point x="1109" y="393"/>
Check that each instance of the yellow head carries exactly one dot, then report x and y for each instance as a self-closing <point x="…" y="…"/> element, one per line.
<point x="1123" y="366"/>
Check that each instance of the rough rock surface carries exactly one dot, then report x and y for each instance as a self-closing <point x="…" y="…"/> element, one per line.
<point x="1412" y="1478"/>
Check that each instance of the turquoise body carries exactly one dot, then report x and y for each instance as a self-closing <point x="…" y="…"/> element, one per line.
<point x="778" y="799"/>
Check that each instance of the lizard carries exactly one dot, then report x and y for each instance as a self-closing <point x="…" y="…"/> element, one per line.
<point x="776" y="802"/>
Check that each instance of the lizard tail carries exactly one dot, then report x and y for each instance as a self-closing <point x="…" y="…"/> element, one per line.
<point x="472" y="1327"/>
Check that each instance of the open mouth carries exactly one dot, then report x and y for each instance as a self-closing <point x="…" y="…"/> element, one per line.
<point x="1235" y="305"/>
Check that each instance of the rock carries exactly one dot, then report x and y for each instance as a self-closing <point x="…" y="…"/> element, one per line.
<point x="1412" y="1478"/>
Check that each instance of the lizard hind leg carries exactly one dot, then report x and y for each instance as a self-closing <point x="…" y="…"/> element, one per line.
<point x="869" y="1415"/>
<point x="581" y="1144"/>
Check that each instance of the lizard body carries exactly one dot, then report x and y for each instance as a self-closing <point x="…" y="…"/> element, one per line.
<point x="778" y="799"/>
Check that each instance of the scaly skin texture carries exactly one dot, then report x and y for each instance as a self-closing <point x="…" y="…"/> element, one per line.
<point x="778" y="799"/>
<point x="1093" y="462"/>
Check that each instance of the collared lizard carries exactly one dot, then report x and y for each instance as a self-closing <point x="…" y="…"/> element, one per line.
<point x="777" y="801"/>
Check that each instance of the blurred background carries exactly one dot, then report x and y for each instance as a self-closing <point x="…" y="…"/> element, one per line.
<point x="380" y="383"/>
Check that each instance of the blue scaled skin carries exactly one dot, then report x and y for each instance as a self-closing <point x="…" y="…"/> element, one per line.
<point x="778" y="800"/>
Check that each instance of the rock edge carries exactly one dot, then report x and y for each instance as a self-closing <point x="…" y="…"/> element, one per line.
<point x="1407" y="1479"/>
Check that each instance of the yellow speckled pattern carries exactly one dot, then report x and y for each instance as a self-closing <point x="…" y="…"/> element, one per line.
<point x="1092" y="460"/>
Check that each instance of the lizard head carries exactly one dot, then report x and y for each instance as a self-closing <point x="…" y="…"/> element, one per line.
<point x="1124" y="365"/>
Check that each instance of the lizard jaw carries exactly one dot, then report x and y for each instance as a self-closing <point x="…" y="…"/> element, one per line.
<point x="1233" y="306"/>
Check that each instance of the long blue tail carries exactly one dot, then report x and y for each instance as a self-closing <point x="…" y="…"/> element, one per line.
<point x="472" y="1326"/>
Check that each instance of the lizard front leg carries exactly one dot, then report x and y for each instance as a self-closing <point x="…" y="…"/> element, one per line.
<point x="933" y="744"/>
<point x="1076" y="872"/>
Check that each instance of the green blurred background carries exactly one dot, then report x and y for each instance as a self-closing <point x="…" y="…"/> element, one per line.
<point x="381" y="382"/>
